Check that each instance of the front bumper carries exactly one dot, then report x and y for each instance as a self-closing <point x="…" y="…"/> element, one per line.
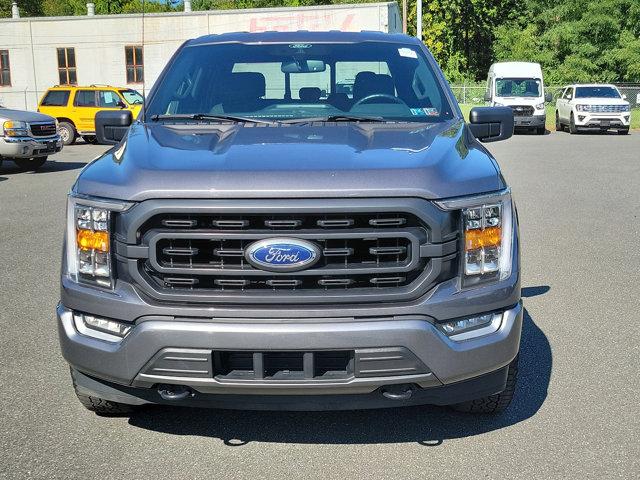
<point x="126" y="364"/>
<point x="530" y="121"/>
<point x="602" y="120"/>
<point x="28" y="147"/>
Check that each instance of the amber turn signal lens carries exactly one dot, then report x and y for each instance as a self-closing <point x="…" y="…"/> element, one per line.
<point x="90" y="240"/>
<point x="489" y="237"/>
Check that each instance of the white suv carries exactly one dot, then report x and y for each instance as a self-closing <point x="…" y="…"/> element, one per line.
<point x="592" y="106"/>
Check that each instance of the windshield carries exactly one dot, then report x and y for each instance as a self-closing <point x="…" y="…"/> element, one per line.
<point x="518" y="87"/>
<point x="387" y="81"/>
<point x="132" y="97"/>
<point x="597" y="92"/>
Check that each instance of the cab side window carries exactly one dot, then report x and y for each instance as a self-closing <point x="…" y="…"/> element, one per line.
<point x="568" y="94"/>
<point x="85" y="98"/>
<point x="108" y="99"/>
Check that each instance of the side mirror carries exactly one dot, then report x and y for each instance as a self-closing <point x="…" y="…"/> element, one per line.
<point x="548" y="97"/>
<point x="624" y="96"/>
<point x="487" y="96"/>
<point x="121" y="104"/>
<point x="491" y="124"/>
<point x="112" y="126"/>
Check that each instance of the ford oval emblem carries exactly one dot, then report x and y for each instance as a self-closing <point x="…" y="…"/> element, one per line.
<point x="282" y="254"/>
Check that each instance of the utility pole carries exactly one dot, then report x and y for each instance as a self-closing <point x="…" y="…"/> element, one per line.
<point x="404" y="16"/>
<point x="419" y="19"/>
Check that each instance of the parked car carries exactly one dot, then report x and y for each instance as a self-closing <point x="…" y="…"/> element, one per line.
<point x="589" y="106"/>
<point x="27" y="138"/>
<point x="243" y="250"/>
<point x="519" y="85"/>
<point x="76" y="107"/>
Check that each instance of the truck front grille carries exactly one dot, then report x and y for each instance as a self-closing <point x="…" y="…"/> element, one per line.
<point x="193" y="256"/>
<point x="522" y="110"/>
<point x="42" y="129"/>
<point x="607" y="108"/>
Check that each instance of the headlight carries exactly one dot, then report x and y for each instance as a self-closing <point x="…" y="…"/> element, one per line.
<point x="89" y="227"/>
<point x="583" y="108"/>
<point x="15" y="129"/>
<point x="487" y="225"/>
<point x="540" y="106"/>
<point x="625" y="108"/>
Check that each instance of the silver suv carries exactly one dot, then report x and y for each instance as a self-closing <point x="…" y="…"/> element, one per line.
<point x="257" y="239"/>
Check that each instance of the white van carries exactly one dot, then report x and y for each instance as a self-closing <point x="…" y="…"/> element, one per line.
<point x="519" y="85"/>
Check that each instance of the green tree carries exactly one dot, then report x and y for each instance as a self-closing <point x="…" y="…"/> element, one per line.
<point x="576" y="40"/>
<point x="28" y="8"/>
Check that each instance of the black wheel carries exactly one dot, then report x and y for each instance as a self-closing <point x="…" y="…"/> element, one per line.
<point x="540" y="130"/>
<point x="559" y="126"/>
<point x="67" y="133"/>
<point x="493" y="403"/>
<point x="100" y="405"/>
<point x="30" y="164"/>
<point x="572" y="126"/>
<point x="623" y="131"/>
<point x="92" y="139"/>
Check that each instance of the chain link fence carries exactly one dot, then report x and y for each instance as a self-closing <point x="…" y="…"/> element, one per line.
<point x="473" y="94"/>
<point x="19" y="99"/>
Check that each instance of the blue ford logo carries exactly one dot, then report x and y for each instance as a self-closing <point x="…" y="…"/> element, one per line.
<point x="282" y="254"/>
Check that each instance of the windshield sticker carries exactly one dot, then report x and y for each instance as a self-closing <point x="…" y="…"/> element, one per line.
<point x="407" y="52"/>
<point x="424" y="112"/>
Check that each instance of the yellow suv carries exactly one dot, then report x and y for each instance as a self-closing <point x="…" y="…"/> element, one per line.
<point x="76" y="107"/>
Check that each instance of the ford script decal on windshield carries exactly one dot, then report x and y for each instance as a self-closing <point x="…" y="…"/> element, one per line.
<point x="282" y="254"/>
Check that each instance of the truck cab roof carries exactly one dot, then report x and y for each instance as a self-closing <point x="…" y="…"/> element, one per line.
<point x="332" y="36"/>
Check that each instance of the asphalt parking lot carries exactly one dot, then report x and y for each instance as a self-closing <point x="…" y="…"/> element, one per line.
<point x="575" y="411"/>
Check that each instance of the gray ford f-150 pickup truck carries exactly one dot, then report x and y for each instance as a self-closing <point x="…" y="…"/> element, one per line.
<point x="258" y="240"/>
<point x="27" y="138"/>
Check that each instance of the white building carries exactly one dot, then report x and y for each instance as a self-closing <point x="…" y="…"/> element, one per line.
<point x="131" y="50"/>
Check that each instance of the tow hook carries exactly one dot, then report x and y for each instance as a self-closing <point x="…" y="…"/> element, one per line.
<point x="398" y="392"/>
<point x="174" y="392"/>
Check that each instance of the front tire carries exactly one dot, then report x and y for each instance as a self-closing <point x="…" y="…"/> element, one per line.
<point x="493" y="403"/>
<point x="623" y="131"/>
<point x="101" y="406"/>
<point x="30" y="164"/>
<point x="559" y="126"/>
<point x="540" y="130"/>
<point x="67" y="132"/>
<point x="572" y="126"/>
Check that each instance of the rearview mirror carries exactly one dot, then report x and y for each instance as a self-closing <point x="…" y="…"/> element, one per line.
<point x="548" y="97"/>
<point x="302" y="65"/>
<point x="491" y="124"/>
<point x="112" y="126"/>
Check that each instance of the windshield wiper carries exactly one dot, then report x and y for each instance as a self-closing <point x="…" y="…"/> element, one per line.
<point x="207" y="116"/>
<point x="337" y="118"/>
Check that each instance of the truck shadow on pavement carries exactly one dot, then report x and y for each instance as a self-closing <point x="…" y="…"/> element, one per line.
<point x="427" y="425"/>
<point x="9" y="168"/>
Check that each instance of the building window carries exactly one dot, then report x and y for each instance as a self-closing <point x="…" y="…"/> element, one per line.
<point x="5" y="72"/>
<point x="67" y="66"/>
<point x="135" y="65"/>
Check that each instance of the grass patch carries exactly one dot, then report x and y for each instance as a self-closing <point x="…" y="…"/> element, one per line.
<point x="551" y="115"/>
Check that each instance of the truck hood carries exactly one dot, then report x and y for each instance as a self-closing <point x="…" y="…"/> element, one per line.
<point x="23" y="116"/>
<point x="600" y="101"/>
<point x="508" y="101"/>
<point x="304" y="160"/>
